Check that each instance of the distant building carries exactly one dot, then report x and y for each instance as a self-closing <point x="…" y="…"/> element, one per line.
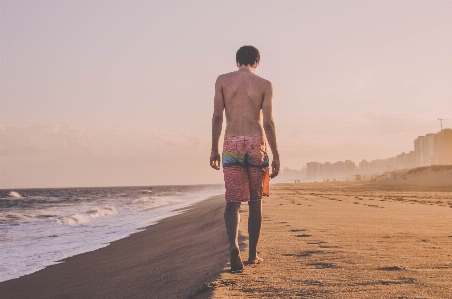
<point x="419" y="151"/>
<point x="289" y="175"/>
<point x="314" y="170"/>
<point x="330" y="171"/>
<point x="304" y="174"/>
<point x="349" y="168"/>
<point x="338" y="169"/>
<point x="380" y="166"/>
<point x="327" y="170"/>
<point x="401" y="161"/>
<point x="365" y="167"/>
<point x="430" y="151"/>
<point x="410" y="160"/>
<point x="405" y="161"/>
<point x="444" y="147"/>
<point x="391" y="164"/>
<point x="373" y="167"/>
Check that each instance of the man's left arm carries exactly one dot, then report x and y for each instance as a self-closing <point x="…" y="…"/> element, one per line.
<point x="217" y="123"/>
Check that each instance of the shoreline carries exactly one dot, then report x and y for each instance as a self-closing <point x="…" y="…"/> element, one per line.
<point x="175" y="258"/>
<point x="101" y="187"/>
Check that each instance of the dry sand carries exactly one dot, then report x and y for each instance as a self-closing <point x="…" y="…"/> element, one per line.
<point x="436" y="178"/>
<point x="349" y="240"/>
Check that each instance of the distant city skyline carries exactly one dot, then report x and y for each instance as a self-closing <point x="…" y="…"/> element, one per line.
<point x="115" y="93"/>
<point x="429" y="150"/>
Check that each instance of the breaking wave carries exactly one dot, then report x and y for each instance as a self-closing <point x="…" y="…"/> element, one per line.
<point x="14" y="194"/>
<point x="84" y="218"/>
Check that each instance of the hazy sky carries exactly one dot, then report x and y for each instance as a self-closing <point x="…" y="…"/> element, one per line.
<point x="121" y="92"/>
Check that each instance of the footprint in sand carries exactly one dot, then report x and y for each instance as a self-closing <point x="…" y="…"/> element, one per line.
<point x="392" y="268"/>
<point x="288" y="254"/>
<point x="312" y="283"/>
<point x="400" y="281"/>
<point x="303" y="236"/>
<point x="323" y="265"/>
<point x="309" y="253"/>
<point x="329" y="246"/>
<point x="316" y="242"/>
<point x="374" y="206"/>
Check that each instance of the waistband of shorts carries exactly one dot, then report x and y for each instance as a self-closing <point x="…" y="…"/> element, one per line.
<point x="244" y="138"/>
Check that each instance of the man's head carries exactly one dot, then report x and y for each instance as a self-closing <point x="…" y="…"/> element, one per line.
<point x="248" y="55"/>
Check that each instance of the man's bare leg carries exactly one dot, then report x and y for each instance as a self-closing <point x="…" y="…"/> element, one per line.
<point x="254" y="229"/>
<point x="232" y="220"/>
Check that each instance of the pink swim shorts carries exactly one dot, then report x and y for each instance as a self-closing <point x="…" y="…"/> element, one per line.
<point x="245" y="163"/>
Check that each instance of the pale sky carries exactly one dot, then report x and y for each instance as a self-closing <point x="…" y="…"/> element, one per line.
<point x="121" y="92"/>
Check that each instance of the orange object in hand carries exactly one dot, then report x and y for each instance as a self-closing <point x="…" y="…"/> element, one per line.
<point x="266" y="183"/>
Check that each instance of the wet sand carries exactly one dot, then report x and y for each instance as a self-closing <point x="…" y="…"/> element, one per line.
<point x="175" y="258"/>
<point x="348" y="240"/>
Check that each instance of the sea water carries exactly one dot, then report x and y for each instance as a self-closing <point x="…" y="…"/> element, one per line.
<point x="41" y="227"/>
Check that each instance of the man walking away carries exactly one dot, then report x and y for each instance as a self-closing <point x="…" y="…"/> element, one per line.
<point x="247" y="101"/>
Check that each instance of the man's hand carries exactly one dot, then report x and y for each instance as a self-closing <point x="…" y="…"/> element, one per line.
<point x="215" y="160"/>
<point x="275" y="167"/>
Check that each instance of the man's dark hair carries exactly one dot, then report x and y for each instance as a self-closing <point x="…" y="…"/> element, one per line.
<point x="247" y="55"/>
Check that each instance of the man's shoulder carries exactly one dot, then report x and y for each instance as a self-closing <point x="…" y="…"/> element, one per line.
<point x="263" y="82"/>
<point x="226" y="76"/>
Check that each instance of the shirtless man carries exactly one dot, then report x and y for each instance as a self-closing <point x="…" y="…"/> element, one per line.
<point x="245" y="97"/>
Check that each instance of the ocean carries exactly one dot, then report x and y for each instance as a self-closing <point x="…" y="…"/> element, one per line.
<point x="41" y="227"/>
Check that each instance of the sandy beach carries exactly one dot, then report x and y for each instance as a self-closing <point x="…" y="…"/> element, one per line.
<point x="175" y="258"/>
<point x="350" y="240"/>
<point x="384" y="239"/>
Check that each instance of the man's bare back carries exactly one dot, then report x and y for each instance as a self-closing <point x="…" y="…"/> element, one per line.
<point x="243" y="95"/>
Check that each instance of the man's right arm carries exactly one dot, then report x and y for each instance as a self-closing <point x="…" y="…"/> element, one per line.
<point x="217" y="123"/>
<point x="269" y="127"/>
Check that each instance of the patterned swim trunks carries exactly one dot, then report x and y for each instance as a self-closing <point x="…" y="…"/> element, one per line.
<point x="245" y="164"/>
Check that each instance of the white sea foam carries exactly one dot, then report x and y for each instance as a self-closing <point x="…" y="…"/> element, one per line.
<point x="84" y="218"/>
<point x="146" y="203"/>
<point x="14" y="194"/>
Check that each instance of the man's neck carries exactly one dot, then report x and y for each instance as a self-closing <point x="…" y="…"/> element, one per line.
<point x="247" y="68"/>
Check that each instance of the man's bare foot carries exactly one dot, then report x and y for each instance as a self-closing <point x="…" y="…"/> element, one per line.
<point x="255" y="260"/>
<point x="236" y="261"/>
